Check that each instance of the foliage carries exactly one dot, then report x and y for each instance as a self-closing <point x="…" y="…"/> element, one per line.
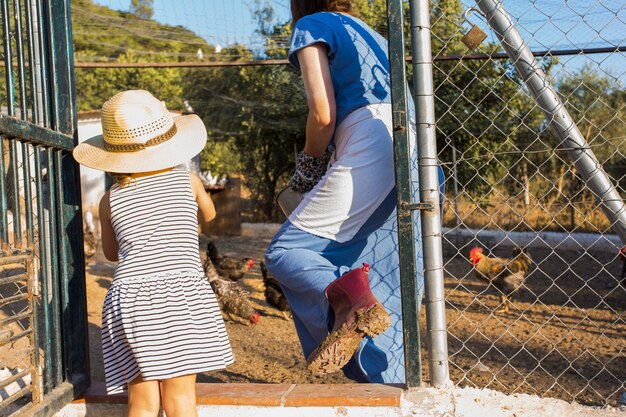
<point x="103" y="34"/>
<point x="142" y="8"/>
<point x="255" y="115"/>
<point x="96" y="85"/>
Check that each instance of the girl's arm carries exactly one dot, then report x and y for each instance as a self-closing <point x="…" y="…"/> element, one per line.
<point x="110" y="246"/>
<point x="320" y="124"/>
<point x="206" y="209"/>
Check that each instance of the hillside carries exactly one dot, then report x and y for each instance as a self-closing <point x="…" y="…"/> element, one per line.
<point x="103" y="34"/>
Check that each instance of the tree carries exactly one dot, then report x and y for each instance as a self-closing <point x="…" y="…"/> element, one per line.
<point x="143" y="9"/>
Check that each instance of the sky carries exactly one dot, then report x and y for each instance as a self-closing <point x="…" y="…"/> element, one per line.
<point x="219" y="22"/>
<point x="546" y="24"/>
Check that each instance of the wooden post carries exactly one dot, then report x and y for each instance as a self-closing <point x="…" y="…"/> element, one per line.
<point x="228" y="207"/>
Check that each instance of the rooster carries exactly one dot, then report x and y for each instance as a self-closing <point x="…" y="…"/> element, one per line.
<point x="231" y="296"/>
<point x="273" y="292"/>
<point x="228" y="266"/>
<point x="507" y="275"/>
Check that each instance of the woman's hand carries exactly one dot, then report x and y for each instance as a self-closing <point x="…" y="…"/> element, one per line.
<point x="309" y="171"/>
<point x="318" y="83"/>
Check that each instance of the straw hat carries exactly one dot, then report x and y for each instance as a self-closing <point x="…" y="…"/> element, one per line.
<point x="140" y="135"/>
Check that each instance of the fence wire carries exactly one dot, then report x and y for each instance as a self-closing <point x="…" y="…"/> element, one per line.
<point x="512" y="186"/>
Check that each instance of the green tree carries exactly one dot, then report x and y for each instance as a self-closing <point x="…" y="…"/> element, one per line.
<point x="143" y="9"/>
<point x="596" y="102"/>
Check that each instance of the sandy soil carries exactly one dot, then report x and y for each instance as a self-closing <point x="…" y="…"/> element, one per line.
<point x="563" y="338"/>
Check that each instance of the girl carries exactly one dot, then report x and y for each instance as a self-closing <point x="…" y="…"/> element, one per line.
<point x="160" y="320"/>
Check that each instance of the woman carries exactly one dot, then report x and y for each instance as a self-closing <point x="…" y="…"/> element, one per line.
<point x="341" y="240"/>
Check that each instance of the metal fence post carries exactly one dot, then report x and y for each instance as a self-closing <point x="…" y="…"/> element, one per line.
<point x="406" y="236"/>
<point x="559" y="118"/>
<point x="429" y="192"/>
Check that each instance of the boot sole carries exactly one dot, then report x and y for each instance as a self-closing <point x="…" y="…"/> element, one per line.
<point x="337" y="349"/>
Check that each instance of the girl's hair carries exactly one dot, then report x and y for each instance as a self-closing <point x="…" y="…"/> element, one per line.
<point x="122" y="179"/>
<point x="301" y="8"/>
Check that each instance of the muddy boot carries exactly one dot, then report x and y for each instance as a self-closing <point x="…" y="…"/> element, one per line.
<point x="357" y="314"/>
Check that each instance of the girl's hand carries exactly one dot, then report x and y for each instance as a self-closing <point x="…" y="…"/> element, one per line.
<point x="206" y="209"/>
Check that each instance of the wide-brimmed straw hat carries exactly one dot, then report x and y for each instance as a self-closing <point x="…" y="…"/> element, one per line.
<point x="140" y="135"/>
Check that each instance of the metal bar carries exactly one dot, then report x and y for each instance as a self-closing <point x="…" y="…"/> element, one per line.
<point x="13" y="299"/>
<point x="71" y="258"/>
<point x="28" y="203"/>
<point x="41" y="61"/>
<point x="54" y="230"/>
<point x="30" y="37"/>
<point x="429" y="192"/>
<point x="4" y="220"/>
<point x="6" y="382"/>
<point x="408" y="58"/>
<point x="406" y="238"/>
<point x="559" y="118"/>
<point x="17" y="128"/>
<point x="33" y="291"/>
<point x="13" y="278"/>
<point x="5" y="260"/>
<point x="24" y="315"/>
<point x="19" y="43"/>
<point x="8" y="56"/>
<point x="15" y="209"/>
<point x="18" y="336"/>
<point x="44" y="273"/>
<point x="6" y="402"/>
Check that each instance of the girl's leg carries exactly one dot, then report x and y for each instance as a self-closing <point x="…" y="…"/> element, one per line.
<point x="144" y="399"/>
<point x="179" y="396"/>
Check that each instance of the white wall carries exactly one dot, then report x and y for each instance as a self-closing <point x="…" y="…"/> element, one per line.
<point x="91" y="180"/>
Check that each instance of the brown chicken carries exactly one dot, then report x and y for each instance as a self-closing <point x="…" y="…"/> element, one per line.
<point x="228" y="266"/>
<point x="273" y="292"/>
<point x="233" y="299"/>
<point x="507" y="275"/>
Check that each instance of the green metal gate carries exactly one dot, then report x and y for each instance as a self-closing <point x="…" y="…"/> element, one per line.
<point x="43" y="335"/>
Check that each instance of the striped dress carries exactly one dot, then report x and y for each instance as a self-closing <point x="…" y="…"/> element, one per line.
<point x="160" y="318"/>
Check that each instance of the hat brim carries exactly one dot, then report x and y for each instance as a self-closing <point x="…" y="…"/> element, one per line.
<point x="188" y="141"/>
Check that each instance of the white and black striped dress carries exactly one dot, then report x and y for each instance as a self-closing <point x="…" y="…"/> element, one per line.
<point x="160" y="318"/>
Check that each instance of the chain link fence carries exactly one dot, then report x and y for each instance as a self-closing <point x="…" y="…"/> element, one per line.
<point x="512" y="185"/>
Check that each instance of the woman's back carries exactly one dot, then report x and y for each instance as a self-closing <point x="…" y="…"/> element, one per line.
<point x="155" y="223"/>
<point x="358" y="59"/>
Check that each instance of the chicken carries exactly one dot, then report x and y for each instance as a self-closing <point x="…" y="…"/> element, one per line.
<point x="228" y="266"/>
<point x="233" y="299"/>
<point x="90" y="242"/>
<point x="273" y="292"/>
<point x="507" y="275"/>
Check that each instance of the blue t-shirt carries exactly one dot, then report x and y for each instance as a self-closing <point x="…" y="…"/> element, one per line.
<point x="357" y="55"/>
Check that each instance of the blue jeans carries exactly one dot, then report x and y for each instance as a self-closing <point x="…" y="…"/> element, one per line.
<point x="306" y="264"/>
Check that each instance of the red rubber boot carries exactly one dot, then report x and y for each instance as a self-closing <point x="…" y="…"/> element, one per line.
<point x="357" y="314"/>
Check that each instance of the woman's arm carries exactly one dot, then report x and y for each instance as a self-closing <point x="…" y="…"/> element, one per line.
<point x="320" y="124"/>
<point x="110" y="246"/>
<point x="206" y="209"/>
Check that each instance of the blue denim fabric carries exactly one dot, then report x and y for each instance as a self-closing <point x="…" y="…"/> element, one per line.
<point x="306" y="264"/>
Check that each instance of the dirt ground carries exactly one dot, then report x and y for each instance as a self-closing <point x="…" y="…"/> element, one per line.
<point x="563" y="338"/>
